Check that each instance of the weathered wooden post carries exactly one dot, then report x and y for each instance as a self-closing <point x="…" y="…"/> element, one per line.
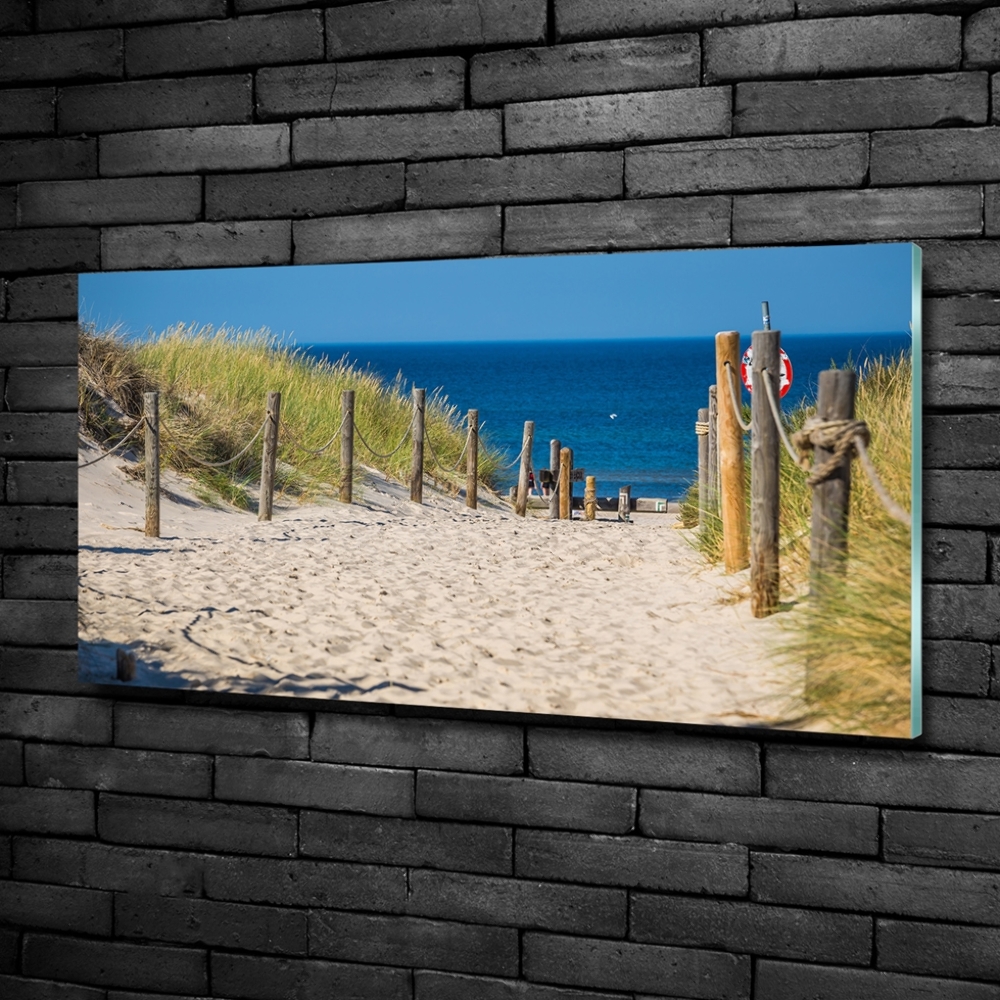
<point x="701" y="430"/>
<point x="764" y="460"/>
<point x="565" y="493"/>
<point x="625" y="503"/>
<point x="713" y="449"/>
<point x="417" y="465"/>
<point x="269" y="457"/>
<point x="151" y="432"/>
<point x="732" y="479"/>
<point x="347" y="446"/>
<point x="528" y="438"/>
<point x="569" y="485"/>
<point x="472" y="462"/>
<point x="590" y="499"/>
<point x="831" y="499"/>
<point x="555" y="449"/>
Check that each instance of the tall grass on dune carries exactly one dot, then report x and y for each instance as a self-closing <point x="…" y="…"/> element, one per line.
<point x="213" y="385"/>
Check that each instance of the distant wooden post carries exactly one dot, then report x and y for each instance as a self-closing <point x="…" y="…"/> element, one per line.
<point x="521" y="507"/>
<point x="831" y="499"/>
<point x="701" y="429"/>
<point x="417" y="466"/>
<point x="764" y="460"/>
<point x="269" y="457"/>
<point x="565" y="471"/>
<point x="590" y="499"/>
<point x="472" y="462"/>
<point x="125" y="664"/>
<point x="151" y="411"/>
<point x="732" y="479"/>
<point x="569" y="487"/>
<point x="347" y="446"/>
<point x="625" y="503"/>
<point x="713" y="449"/>
<point x="555" y="449"/>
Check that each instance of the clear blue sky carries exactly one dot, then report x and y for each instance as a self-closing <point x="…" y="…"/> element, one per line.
<point x="837" y="289"/>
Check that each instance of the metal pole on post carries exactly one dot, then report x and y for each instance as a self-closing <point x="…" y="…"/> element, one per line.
<point x="764" y="482"/>
<point x="555" y="447"/>
<point x="701" y="430"/>
<point x="713" y="449"/>
<point x="472" y="462"/>
<point x="521" y="507"/>
<point x="151" y="460"/>
<point x="732" y="478"/>
<point x="269" y="457"/>
<point x="565" y="471"/>
<point x="347" y="446"/>
<point x="417" y="466"/>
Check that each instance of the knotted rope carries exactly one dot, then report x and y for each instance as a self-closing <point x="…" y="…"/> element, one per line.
<point x="701" y="427"/>
<point x="836" y="436"/>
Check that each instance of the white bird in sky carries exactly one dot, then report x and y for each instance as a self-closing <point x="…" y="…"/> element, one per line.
<point x="612" y="415"/>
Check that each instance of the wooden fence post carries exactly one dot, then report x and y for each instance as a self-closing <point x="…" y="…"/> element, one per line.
<point x="565" y="471"/>
<point x="713" y="449"/>
<point x="701" y="430"/>
<point x="590" y="499"/>
<point x="732" y="479"/>
<point x="555" y="448"/>
<point x="521" y="507"/>
<point x="625" y="503"/>
<point x="269" y="457"/>
<point x="151" y="435"/>
<point x="764" y="461"/>
<point x="472" y="462"/>
<point x="417" y="466"/>
<point x="347" y="446"/>
<point x="831" y="499"/>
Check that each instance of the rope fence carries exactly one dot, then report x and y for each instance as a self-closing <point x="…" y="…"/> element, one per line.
<point x="100" y="458"/>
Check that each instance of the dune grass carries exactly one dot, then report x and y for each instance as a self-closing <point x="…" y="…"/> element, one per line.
<point x="213" y="385"/>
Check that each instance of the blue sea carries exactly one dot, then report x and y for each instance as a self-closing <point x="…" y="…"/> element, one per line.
<point x="627" y="408"/>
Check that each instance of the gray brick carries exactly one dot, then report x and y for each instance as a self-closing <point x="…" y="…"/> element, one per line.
<point x="826" y="8"/>
<point x="618" y="965"/>
<point x="148" y="104"/>
<point x="108" y="866"/>
<point x="962" y="324"/>
<point x="453" y="986"/>
<point x="304" y="193"/>
<point x="661" y="758"/>
<point x="114" y="770"/>
<point x="789" y="981"/>
<point x="41" y="482"/>
<point x="270" y="39"/>
<point x="650" y="224"/>
<point x="956" y="267"/>
<point x="610" y="18"/>
<point x="191" y="150"/>
<point x="50" y="717"/>
<point x="8" y="207"/>
<point x="205" y="921"/>
<point x="37" y="623"/>
<point x="420" y="843"/>
<point x="991" y="199"/>
<point x="46" y="810"/>
<point x="420" y="84"/>
<point x="962" y="611"/>
<point x="37" y="528"/>
<point x="197" y="244"/>
<point x="409" y="941"/>
<point x="783" y="932"/>
<point x="9" y="944"/>
<point x="874" y="887"/>
<point x="28" y="111"/>
<point x="982" y="38"/>
<point x="747" y="165"/>
<point x="34" y="389"/>
<point x="47" y="159"/>
<point x="54" y="15"/>
<point x="364" y="29"/>
<point x="11" y="762"/>
<point x="585" y="68"/>
<point x="210" y="826"/>
<point x="396" y="137"/>
<point x="27" y="250"/>
<point x="961" y="497"/>
<point x="632" y="862"/>
<point x="938" y="156"/>
<point x="52" y="296"/>
<point x="882" y="777"/>
<point x="848" y="45"/>
<point x="50" y="671"/>
<point x="459" y="232"/>
<point x="960" y="381"/>
<point x="385" y="741"/>
<point x="876" y="214"/>
<point x="959" y="840"/>
<point x="325" y="884"/>
<point x="617" y="119"/>
<point x="56" y="908"/>
<point x="954" y="556"/>
<point x="260" y="978"/>
<point x="48" y="577"/>
<point x="81" y="55"/>
<point x="761" y="822"/>
<point x="377" y="791"/>
<point x="939" y="950"/>
<point x="517" y="903"/>
<point x="106" y="202"/>
<point x="45" y="989"/>
<point x="15" y="16"/>
<point x="525" y="801"/>
<point x="956" y="667"/>
<point x="44" y="344"/>
<point x="515" y="179"/>
<point x="971" y="724"/>
<point x="116" y="963"/>
<point x="861" y="104"/>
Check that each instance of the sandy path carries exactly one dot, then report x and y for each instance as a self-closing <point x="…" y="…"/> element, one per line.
<point x="435" y="605"/>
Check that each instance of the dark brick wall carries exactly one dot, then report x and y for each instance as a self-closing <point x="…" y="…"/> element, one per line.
<point x="163" y="843"/>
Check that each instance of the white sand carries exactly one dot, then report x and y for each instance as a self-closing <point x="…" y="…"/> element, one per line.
<point x="387" y="601"/>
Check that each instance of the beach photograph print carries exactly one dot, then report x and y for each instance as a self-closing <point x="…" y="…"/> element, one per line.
<point x="675" y="487"/>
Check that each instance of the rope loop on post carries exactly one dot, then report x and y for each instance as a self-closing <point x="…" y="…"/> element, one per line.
<point x="737" y="406"/>
<point x="701" y="427"/>
<point x="836" y="436"/>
